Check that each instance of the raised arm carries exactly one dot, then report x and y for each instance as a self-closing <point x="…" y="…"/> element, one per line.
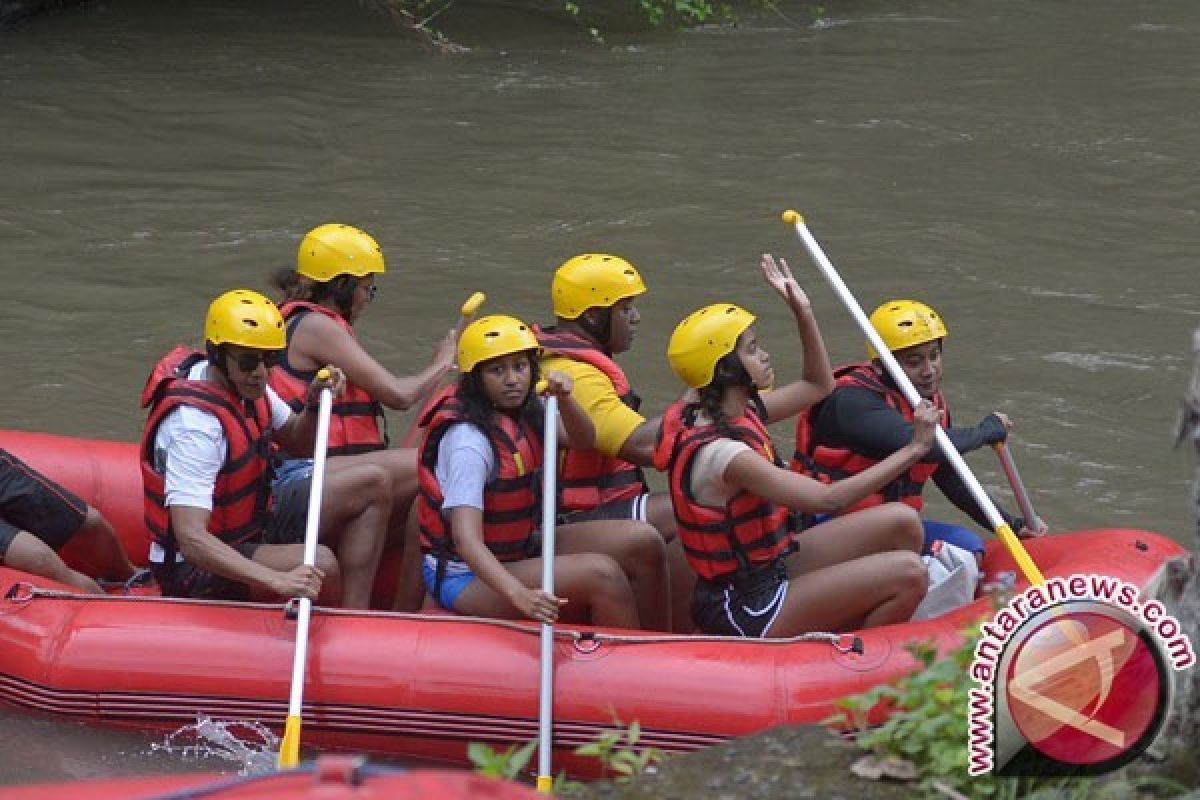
<point x="816" y="381"/>
<point x="322" y="341"/>
<point x="752" y="472"/>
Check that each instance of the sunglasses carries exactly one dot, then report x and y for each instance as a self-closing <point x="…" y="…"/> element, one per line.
<point x="249" y="361"/>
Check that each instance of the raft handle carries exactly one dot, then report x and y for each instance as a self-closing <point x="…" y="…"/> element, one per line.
<point x="20" y="592"/>
<point x="587" y="642"/>
<point x="856" y="645"/>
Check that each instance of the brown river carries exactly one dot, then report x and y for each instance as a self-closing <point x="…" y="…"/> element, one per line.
<point x="1027" y="168"/>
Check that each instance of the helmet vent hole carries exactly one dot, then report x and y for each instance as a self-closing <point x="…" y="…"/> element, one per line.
<point x="249" y="323"/>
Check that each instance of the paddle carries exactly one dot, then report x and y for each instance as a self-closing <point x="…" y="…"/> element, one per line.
<point x="289" y="746"/>
<point x="1018" y="486"/>
<point x="545" y="780"/>
<point x="465" y="314"/>
<point x="1001" y="528"/>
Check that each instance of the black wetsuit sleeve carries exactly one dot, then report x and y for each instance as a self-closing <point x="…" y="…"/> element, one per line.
<point x="957" y="492"/>
<point x="860" y="420"/>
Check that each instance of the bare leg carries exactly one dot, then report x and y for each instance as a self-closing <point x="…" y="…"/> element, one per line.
<point x="30" y="554"/>
<point x="879" y="529"/>
<point x="355" y="507"/>
<point x="591" y="580"/>
<point x="638" y="549"/>
<point x="878" y="589"/>
<point x="682" y="578"/>
<point x="284" y="557"/>
<point x="401" y="467"/>
<point x="410" y="586"/>
<point x="97" y="538"/>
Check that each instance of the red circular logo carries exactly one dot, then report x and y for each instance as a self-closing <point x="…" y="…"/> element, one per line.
<point x="1084" y="688"/>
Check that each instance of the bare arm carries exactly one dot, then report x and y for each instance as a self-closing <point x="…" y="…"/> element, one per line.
<point x="467" y="524"/>
<point x="639" y="447"/>
<point x="299" y="433"/>
<point x="319" y="340"/>
<point x="750" y="471"/>
<point x="201" y="548"/>
<point x="575" y="426"/>
<point x="817" y="379"/>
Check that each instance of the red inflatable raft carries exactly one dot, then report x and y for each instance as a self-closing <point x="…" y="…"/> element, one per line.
<point x="428" y="685"/>
<point x="331" y="778"/>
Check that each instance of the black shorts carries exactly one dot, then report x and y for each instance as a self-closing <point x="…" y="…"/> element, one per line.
<point x="31" y="502"/>
<point x="745" y="606"/>
<point x="634" y="508"/>
<point x="285" y="525"/>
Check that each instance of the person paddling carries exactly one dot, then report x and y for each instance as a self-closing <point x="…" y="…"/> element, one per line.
<point x="479" y="499"/>
<point x="329" y="290"/>
<point x="866" y="418"/>
<point x="219" y="531"/>
<point x="734" y="498"/>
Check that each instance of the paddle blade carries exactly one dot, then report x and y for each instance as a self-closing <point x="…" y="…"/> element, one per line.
<point x="289" y="747"/>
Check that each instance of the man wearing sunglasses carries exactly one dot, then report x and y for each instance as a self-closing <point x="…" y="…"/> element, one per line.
<point x="219" y="532"/>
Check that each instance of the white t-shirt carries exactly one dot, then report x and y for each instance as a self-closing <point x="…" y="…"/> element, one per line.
<point x="190" y="448"/>
<point x="708" y="484"/>
<point x="465" y="462"/>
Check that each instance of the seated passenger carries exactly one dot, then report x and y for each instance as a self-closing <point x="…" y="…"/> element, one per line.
<point x="479" y="504"/>
<point x="594" y="297"/>
<point x="219" y="531"/>
<point x="330" y="289"/>
<point x="38" y="517"/>
<point x="866" y="418"/>
<point x="734" y="499"/>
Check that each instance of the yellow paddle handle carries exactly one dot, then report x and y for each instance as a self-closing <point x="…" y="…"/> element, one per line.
<point x="323" y="374"/>
<point x="792" y="217"/>
<point x="472" y="304"/>
<point x="542" y="386"/>
<point x="289" y="746"/>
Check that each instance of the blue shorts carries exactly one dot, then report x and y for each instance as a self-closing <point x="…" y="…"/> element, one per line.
<point x="956" y="535"/>
<point x="456" y="578"/>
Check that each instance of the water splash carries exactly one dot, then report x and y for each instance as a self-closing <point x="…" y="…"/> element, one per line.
<point x="247" y="743"/>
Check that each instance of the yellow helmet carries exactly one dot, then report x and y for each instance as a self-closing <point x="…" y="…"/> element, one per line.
<point x="704" y="338"/>
<point x="335" y="249"/>
<point x="905" y="323"/>
<point x="591" y="280"/>
<point x="491" y="337"/>
<point x="245" y="318"/>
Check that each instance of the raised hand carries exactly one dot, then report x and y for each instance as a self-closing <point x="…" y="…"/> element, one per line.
<point x="926" y="418"/>
<point x="779" y="276"/>
<point x="558" y="384"/>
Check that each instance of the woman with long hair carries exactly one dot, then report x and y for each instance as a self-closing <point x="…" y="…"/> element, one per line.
<point x="480" y="498"/>
<point x="735" y="501"/>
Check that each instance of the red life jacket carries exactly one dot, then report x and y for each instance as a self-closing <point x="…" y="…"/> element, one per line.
<point x="827" y="464"/>
<point x="510" y="497"/>
<point x="241" y="492"/>
<point x="589" y="478"/>
<point x="749" y="532"/>
<point x="354" y="426"/>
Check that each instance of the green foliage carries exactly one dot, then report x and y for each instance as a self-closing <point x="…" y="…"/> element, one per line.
<point x="616" y="750"/>
<point x="507" y="764"/>
<point x="927" y="726"/>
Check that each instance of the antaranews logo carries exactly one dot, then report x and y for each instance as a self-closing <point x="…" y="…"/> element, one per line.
<point x="1072" y="679"/>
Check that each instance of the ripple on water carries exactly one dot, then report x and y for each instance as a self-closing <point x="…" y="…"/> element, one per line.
<point x="1098" y="362"/>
